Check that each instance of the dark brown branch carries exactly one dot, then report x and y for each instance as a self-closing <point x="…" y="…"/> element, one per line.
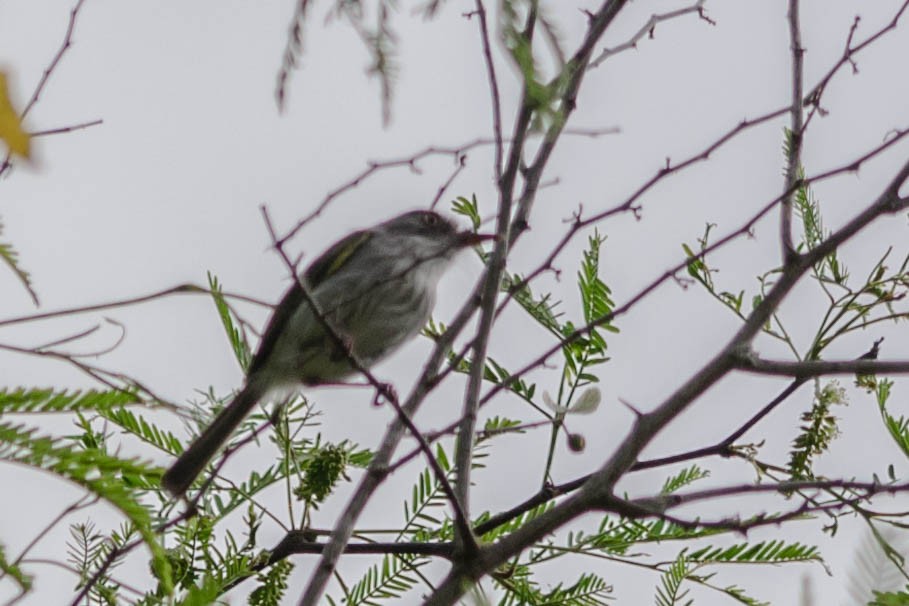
<point x="665" y="502"/>
<point x="655" y="508"/>
<point x="815" y="368"/>
<point x="300" y="542"/>
<point x="723" y="448"/>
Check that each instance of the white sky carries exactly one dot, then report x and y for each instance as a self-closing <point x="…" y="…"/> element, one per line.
<point x="169" y="187"/>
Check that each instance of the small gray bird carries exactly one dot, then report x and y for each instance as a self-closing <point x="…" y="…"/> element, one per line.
<point x="376" y="289"/>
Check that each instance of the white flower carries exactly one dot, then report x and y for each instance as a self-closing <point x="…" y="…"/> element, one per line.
<point x="586" y="403"/>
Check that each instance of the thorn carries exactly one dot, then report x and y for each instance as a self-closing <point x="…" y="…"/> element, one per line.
<point x="637" y="413"/>
<point x="872" y="353"/>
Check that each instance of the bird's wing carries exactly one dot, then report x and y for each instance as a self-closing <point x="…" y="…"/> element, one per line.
<point x="324" y="266"/>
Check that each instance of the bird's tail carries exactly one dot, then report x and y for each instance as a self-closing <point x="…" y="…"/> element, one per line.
<point x="194" y="459"/>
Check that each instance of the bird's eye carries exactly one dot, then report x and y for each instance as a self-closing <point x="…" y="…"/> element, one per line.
<point x="431" y="219"/>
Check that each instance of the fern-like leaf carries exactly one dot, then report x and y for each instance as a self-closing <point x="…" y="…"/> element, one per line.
<point x="765" y="552"/>
<point x="669" y="591"/>
<point x="117" y="481"/>
<point x="19" y="577"/>
<point x="35" y="400"/>
<point x="234" y="335"/>
<point x="272" y="585"/>
<point x="818" y="430"/>
<point x="388" y="580"/>
<point x="10" y="256"/>
<point x="149" y="433"/>
<point x="687" y="476"/>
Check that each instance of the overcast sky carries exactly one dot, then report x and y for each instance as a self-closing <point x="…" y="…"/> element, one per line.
<point x="170" y="186"/>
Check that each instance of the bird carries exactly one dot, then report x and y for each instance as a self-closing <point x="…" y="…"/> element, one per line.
<point x="373" y="290"/>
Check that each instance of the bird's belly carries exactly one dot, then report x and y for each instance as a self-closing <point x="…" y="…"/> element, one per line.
<point x="369" y="327"/>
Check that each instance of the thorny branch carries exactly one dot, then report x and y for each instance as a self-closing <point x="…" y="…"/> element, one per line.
<point x="649" y="28"/>
<point x="813" y="98"/>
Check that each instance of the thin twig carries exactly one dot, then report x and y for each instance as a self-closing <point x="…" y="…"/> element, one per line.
<point x="813" y="98"/>
<point x="158" y="294"/>
<point x="375" y="166"/>
<point x="65" y="129"/>
<point x="648" y="29"/>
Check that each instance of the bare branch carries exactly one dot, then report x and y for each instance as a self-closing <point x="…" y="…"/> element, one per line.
<point x="648" y="30"/>
<point x="815" y="368"/>
<point x="813" y="98"/>
<point x="66" y="129"/>
<point x="159" y="294"/>
<point x="796" y="132"/>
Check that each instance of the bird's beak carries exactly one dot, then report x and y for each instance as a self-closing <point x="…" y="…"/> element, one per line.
<point x="469" y="238"/>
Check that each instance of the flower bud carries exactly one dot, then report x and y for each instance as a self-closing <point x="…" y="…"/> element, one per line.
<point x="576" y="442"/>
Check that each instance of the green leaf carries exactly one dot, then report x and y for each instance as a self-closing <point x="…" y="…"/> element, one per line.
<point x="588" y="590"/>
<point x="669" y="592"/>
<point x="891" y="598"/>
<point x="272" y="585"/>
<point x="388" y="580"/>
<point x="321" y="467"/>
<point x="897" y="427"/>
<point x="117" y="481"/>
<point x="541" y="308"/>
<point x="36" y="400"/>
<point x="149" y="433"/>
<point x="765" y="552"/>
<point x="23" y="580"/>
<point x="687" y="476"/>
<point x="468" y="208"/>
<point x="204" y="594"/>
<point x="9" y="256"/>
<point x="234" y="335"/>
<point x="819" y="428"/>
<point x="88" y="551"/>
<point x="807" y="209"/>
<point x="595" y="295"/>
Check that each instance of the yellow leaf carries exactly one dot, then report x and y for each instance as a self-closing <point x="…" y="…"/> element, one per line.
<point x="16" y="139"/>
